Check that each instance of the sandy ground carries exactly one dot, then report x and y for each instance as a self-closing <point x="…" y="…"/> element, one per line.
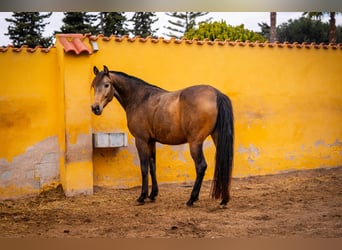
<point x="296" y="204"/>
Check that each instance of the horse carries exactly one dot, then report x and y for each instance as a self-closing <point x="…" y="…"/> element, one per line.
<point x="188" y="115"/>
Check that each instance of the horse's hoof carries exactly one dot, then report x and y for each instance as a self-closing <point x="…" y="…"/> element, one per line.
<point x="139" y="202"/>
<point x="223" y="206"/>
<point x="152" y="199"/>
<point x="190" y="203"/>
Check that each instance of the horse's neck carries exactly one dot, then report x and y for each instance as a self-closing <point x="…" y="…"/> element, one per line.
<point x="131" y="92"/>
<point x="126" y="89"/>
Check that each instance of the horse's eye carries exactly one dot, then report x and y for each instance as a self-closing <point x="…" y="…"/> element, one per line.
<point x="106" y="85"/>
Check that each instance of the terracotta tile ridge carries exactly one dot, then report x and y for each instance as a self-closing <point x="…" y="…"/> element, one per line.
<point x="174" y="40"/>
<point x="25" y="48"/>
<point x="298" y="45"/>
<point x="242" y="44"/>
<point x="232" y="43"/>
<point x="4" y="48"/>
<point x="131" y="39"/>
<point x="210" y="42"/>
<point x="201" y="42"/>
<point x="179" y="41"/>
<point x="220" y="42"/>
<point x="142" y="39"/>
<point x="120" y="38"/>
<point x="96" y="37"/>
<point x="72" y="35"/>
<point x="336" y="46"/>
<point x="169" y="40"/>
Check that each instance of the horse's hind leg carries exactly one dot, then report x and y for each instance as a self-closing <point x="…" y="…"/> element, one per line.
<point x="147" y="156"/>
<point x="214" y="136"/>
<point x="201" y="165"/>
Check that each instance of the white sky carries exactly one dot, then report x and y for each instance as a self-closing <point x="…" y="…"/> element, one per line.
<point x="249" y="19"/>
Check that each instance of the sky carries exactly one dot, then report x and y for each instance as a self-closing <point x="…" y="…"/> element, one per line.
<point x="249" y="19"/>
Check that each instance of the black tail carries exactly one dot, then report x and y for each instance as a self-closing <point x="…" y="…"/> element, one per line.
<point x="224" y="149"/>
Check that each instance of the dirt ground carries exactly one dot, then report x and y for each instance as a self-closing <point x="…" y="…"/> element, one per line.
<point x="296" y="204"/>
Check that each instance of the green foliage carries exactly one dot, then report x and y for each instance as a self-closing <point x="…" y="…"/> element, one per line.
<point x="142" y="22"/>
<point x="182" y="22"/>
<point x="113" y="23"/>
<point x="26" y="28"/>
<point x="339" y="34"/>
<point x="222" y="31"/>
<point x="332" y="36"/>
<point x="303" y="30"/>
<point x="79" y="22"/>
<point x="265" y="30"/>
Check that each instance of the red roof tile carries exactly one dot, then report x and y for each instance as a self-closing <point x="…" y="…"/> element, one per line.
<point x="74" y="43"/>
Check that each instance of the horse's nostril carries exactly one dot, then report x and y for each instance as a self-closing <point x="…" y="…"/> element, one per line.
<point x="96" y="109"/>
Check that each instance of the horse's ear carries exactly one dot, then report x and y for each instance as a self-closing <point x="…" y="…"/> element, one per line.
<point x="105" y="69"/>
<point x="96" y="71"/>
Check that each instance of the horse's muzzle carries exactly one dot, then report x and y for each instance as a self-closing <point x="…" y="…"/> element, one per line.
<point x="96" y="109"/>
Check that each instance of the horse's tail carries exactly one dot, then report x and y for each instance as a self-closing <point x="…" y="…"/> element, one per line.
<point x="224" y="149"/>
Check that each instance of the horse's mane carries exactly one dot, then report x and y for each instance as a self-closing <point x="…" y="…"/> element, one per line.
<point x="136" y="79"/>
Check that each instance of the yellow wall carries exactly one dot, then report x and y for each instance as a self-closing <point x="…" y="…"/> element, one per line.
<point x="78" y="172"/>
<point x="287" y="105"/>
<point x="31" y="122"/>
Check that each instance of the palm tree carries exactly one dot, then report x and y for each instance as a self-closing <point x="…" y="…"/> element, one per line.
<point x="273" y="27"/>
<point x="332" y="22"/>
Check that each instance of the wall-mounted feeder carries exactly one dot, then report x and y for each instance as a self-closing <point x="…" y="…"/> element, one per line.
<point x="109" y="140"/>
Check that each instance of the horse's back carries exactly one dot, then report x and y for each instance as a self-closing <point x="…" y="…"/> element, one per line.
<point x="187" y="115"/>
<point x="198" y="105"/>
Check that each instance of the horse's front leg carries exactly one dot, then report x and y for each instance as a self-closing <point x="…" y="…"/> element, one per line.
<point x="144" y="156"/>
<point x="154" y="191"/>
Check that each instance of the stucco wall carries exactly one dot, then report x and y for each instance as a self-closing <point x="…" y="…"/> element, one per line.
<point x="31" y="122"/>
<point x="286" y="98"/>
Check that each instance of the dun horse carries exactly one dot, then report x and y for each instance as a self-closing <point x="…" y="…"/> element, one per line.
<point x="184" y="116"/>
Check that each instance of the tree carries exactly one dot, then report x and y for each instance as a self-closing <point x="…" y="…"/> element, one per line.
<point x="184" y="21"/>
<point x="303" y="30"/>
<point x="26" y="28"/>
<point x="339" y="34"/>
<point x="332" y="22"/>
<point x="269" y="31"/>
<point x="79" y="22"/>
<point x="265" y="30"/>
<point x="142" y="22"/>
<point x="273" y="26"/>
<point x="113" y="23"/>
<point x="222" y="31"/>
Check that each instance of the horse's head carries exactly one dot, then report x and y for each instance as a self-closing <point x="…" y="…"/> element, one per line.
<point x="103" y="90"/>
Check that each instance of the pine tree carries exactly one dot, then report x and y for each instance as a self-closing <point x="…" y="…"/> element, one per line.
<point x="26" y="28"/>
<point x="265" y="30"/>
<point x="79" y="22"/>
<point x="113" y="23"/>
<point x="184" y="21"/>
<point x="142" y="24"/>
